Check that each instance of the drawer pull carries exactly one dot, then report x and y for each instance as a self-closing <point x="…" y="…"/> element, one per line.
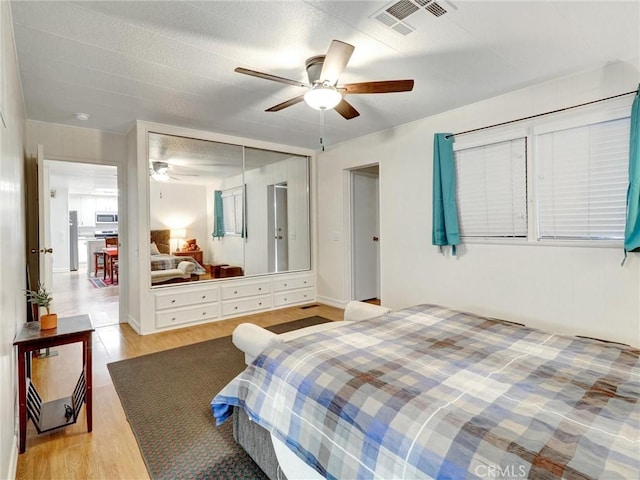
<point x="305" y="282"/>
<point x="305" y="296"/>
<point x="259" y="289"/>
<point x="235" y="292"/>
<point x="285" y="299"/>
<point x="204" y="296"/>
<point x="173" y="301"/>
<point x="173" y="319"/>
<point x="286" y="285"/>
<point x="204" y="313"/>
<point x="259" y="303"/>
<point x="235" y="308"/>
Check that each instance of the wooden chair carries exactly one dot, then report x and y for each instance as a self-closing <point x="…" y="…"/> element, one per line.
<point x="98" y="262"/>
<point x="116" y="271"/>
<point x="111" y="242"/>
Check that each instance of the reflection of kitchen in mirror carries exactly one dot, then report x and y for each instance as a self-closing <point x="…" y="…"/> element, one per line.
<point x="225" y="211"/>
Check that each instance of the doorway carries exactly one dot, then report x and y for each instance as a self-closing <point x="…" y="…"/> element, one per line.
<point x="71" y="196"/>
<point x="278" y="235"/>
<point x="365" y="215"/>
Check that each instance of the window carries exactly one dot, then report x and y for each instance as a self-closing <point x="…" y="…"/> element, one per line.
<point x="492" y="189"/>
<point x="564" y="179"/>
<point x="232" y="211"/>
<point x="582" y="177"/>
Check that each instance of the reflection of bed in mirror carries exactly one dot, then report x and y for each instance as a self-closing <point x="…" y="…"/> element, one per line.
<point x="166" y="268"/>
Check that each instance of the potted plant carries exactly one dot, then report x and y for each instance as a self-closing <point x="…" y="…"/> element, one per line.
<point x="43" y="298"/>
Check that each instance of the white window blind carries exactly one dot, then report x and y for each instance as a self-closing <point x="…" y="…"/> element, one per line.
<point x="582" y="177"/>
<point x="232" y="211"/>
<point x="492" y="189"/>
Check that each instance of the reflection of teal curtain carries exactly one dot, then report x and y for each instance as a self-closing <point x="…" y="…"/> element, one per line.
<point x="445" y="210"/>
<point x="632" y="228"/>
<point x="218" y="215"/>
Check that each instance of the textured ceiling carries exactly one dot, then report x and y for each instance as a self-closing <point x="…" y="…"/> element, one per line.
<point x="172" y="62"/>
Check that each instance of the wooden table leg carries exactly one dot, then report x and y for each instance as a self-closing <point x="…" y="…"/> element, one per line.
<point x="89" y="379"/>
<point x="22" y="399"/>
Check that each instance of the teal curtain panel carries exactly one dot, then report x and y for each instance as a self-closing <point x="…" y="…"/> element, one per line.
<point x="218" y="215"/>
<point x="632" y="227"/>
<point x="445" y="210"/>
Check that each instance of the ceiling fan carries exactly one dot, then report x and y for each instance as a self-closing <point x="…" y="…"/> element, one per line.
<point x="323" y="92"/>
<point x="159" y="171"/>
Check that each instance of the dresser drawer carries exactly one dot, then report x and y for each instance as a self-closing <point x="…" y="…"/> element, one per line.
<point x="291" y="283"/>
<point x="234" y="307"/>
<point x="245" y="290"/>
<point x="296" y="296"/>
<point x="179" y="299"/>
<point x="178" y="316"/>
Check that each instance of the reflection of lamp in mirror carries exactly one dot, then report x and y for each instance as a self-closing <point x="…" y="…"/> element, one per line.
<point x="179" y="235"/>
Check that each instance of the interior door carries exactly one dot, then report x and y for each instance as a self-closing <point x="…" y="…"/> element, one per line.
<point x="282" y="228"/>
<point x="44" y="223"/>
<point x="366" y="254"/>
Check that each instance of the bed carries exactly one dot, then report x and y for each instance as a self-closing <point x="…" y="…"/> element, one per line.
<point x="429" y="392"/>
<point x="166" y="268"/>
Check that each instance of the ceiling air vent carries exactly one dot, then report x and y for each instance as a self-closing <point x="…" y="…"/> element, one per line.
<point x="402" y="9"/>
<point x="436" y="9"/>
<point x="393" y="15"/>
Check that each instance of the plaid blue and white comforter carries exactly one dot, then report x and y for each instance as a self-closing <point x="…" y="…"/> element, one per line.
<point x="165" y="261"/>
<point x="428" y="392"/>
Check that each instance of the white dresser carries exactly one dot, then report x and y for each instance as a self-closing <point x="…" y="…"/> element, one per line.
<point x="211" y="301"/>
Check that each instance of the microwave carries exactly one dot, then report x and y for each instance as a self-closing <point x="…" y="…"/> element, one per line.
<point x="106" y="217"/>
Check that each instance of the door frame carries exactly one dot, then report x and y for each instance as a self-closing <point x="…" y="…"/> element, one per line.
<point x="33" y="220"/>
<point x="349" y="224"/>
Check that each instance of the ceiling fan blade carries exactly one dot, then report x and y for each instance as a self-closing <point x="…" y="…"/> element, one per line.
<point x="345" y="109"/>
<point x="385" y="86"/>
<point x="286" y="104"/>
<point x="335" y="61"/>
<point x="274" y="78"/>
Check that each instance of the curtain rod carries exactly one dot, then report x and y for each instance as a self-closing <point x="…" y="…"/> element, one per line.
<point x="541" y="114"/>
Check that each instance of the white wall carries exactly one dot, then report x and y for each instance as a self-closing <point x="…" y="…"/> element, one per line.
<point x="12" y="239"/>
<point x="179" y="205"/>
<point x="564" y="289"/>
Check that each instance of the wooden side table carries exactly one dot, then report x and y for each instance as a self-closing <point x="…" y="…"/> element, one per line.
<point x="195" y="254"/>
<point x="64" y="411"/>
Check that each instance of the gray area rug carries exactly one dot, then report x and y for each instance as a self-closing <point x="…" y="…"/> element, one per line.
<point x="166" y="397"/>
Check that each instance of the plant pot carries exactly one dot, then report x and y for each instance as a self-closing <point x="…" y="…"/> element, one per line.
<point x="48" y="321"/>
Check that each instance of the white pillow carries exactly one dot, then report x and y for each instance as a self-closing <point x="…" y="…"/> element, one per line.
<point x="186" y="267"/>
<point x="154" y="249"/>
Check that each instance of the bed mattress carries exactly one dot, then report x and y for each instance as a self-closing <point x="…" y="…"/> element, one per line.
<point x="429" y="392"/>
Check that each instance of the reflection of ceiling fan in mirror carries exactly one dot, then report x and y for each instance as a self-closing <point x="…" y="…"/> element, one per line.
<point x="323" y="92"/>
<point x="159" y="171"/>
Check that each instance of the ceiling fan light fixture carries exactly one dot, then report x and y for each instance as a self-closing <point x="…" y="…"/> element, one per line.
<point x="159" y="171"/>
<point x="322" y="97"/>
<point x="160" y="177"/>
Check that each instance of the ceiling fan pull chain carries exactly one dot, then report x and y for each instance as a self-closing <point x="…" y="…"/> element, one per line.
<point x="322" y="135"/>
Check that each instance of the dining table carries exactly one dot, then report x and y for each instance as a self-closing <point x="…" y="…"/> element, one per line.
<point x="110" y="259"/>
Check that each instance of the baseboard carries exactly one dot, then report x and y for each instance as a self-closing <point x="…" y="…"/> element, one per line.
<point x="13" y="460"/>
<point x="332" y="302"/>
<point x="134" y="323"/>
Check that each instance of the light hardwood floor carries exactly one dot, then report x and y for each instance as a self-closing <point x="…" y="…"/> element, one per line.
<point x="73" y="289"/>
<point x="111" y="451"/>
